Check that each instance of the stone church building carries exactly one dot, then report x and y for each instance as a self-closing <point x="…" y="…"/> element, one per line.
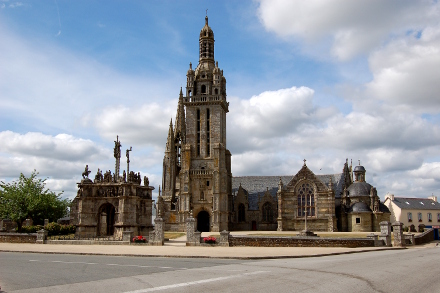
<point x="197" y="173"/>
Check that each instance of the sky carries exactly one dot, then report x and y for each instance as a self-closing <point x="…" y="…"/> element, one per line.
<point x="324" y="81"/>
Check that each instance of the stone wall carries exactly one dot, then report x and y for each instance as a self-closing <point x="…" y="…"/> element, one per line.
<point x="299" y="241"/>
<point x="425" y="237"/>
<point x="18" y="237"/>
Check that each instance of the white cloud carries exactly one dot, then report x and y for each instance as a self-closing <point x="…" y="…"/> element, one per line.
<point x="406" y="72"/>
<point x="349" y="27"/>
<point x="145" y="125"/>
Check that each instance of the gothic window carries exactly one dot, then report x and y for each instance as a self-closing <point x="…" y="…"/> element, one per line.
<point x="306" y="200"/>
<point x="216" y="91"/>
<point x="429" y="217"/>
<point x="208" y="139"/>
<point x="267" y="212"/>
<point x="203" y="89"/>
<point x="198" y="132"/>
<point x="241" y="214"/>
<point x="419" y="217"/>
<point x="409" y="217"/>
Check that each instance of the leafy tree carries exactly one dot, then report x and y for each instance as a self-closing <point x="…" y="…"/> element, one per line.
<point x="29" y="198"/>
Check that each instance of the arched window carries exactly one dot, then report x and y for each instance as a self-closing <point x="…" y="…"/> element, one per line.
<point x="202" y="195"/>
<point x="241" y="214"/>
<point x="216" y="91"/>
<point x="203" y="89"/>
<point x="306" y="200"/>
<point x="267" y="212"/>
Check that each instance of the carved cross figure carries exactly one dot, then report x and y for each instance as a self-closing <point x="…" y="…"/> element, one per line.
<point x="117" y="149"/>
<point x="206" y="12"/>
<point x="127" y="154"/>
<point x="304" y="162"/>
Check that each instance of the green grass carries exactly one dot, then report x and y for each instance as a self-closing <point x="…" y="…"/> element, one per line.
<point x="174" y="235"/>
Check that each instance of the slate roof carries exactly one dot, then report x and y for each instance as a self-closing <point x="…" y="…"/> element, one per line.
<point x="257" y="185"/>
<point x="408" y="203"/>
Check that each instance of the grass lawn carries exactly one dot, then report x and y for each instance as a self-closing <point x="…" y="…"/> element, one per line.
<point x="174" y="235"/>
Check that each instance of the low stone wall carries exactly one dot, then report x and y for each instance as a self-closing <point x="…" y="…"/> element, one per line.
<point x="18" y="237"/>
<point x="299" y="241"/>
<point x="425" y="237"/>
<point x="87" y="242"/>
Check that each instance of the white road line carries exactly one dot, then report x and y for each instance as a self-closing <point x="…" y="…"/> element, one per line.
<point x="109" y="264"/>
<point x="194" y="282"/>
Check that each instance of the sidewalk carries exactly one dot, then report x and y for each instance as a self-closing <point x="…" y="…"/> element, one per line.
<point x="176" y="249"/>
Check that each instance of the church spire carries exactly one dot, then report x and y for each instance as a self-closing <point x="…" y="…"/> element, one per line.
<point x="180" y="128"/>
<point x="206" y="44"/>
<point x="170" y="138"/>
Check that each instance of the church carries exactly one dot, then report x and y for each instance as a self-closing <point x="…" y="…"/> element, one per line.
<point x="197" y="174"/>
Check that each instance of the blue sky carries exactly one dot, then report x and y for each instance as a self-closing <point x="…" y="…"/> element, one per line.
<point x="321" y="80"/>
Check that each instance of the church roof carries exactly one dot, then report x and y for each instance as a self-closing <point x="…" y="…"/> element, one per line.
<point x="359" y="189"/>
<point x="408" y="203"/>
<point x="257" y="185"/>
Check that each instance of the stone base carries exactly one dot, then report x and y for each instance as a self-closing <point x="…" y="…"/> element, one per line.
<point x="306" y="233"/>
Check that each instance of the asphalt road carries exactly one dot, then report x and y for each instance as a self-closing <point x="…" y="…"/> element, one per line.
<point x="410" y="270"/>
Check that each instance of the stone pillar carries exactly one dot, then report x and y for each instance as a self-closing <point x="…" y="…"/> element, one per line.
<point x="411" y="239"/>
<point x="127" y="236"/>
<point x="191" y="239"/>
<point x="399" y="240"/>
<point x="385" y="232"/>
<point x="158" y="231"/>
<point x="224" y="238"/>
<point x="103" y="227"/>
<point x="41" y="236"/>
<point x="197" y="237"/>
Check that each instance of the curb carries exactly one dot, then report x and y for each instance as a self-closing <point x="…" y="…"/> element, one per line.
<point x="213" y="257"/>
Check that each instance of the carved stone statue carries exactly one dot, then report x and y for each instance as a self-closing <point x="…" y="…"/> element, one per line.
<point x="124" y="176"/>
<point x="146" y="181"/>
<point x="86" y="172"/>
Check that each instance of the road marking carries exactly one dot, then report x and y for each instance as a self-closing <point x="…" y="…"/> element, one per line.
<point x="109" y="264"/>
<point x="194" y="282"/>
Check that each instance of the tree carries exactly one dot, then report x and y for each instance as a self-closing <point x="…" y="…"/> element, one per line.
<point x="29" y="198"/>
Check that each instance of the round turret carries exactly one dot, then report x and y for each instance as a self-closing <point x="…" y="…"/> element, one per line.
<point x="359" y="207"/>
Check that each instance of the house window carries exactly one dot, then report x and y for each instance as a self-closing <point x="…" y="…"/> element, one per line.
<point x="306" y="200"/>
<point x="438" y="217"/>
<point x="409" y="217"/>
<point x="419" y="217"/>
<point x="267" y="212"/>
<point x="429" y="217"/>
<point x="358" y="220"/>
<point x="241" y="215"/>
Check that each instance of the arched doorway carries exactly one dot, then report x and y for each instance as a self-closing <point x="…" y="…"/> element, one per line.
<point x="203" y="221"/>
<point x="106" y="220"/>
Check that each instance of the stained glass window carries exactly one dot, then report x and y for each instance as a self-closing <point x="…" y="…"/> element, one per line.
<point x="306" y="200"/>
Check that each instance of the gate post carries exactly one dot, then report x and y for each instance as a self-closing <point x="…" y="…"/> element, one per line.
<point x="399" y="240"/>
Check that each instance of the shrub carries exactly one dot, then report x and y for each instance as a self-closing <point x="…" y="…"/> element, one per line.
<point x="67" y="229"/>
<point x="53" y="229"/>
<point x="30" y="229"/>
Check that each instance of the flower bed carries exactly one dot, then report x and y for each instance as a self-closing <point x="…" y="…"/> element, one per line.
<point x="139" y="239"/>
<point x="209" y="240"/>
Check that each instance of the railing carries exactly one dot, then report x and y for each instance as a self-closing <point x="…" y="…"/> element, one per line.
<point x="201" y="172"/>
<point x="203" y="98"/>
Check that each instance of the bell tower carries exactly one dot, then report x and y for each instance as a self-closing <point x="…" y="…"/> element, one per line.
<point x="203" y="163"/>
